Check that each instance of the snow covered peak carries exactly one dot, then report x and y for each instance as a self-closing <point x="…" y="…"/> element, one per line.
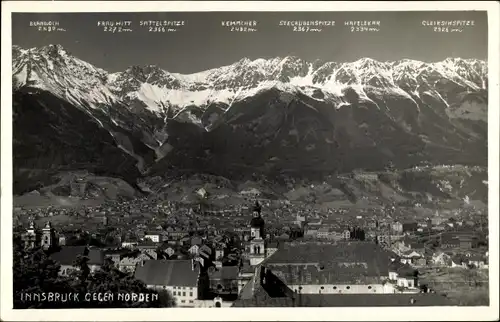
<point x="54" y="50"/>
<point x="290" y="60"/>
<point x="244" y="61"/>
<point x="17" y="52"/>
<point x="366" y="62"/>
<point x="53" y="68"/>
<point x="142" y="73"/>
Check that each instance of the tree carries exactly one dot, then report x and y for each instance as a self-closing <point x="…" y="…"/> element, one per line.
<point x="35" y="272"/>
<point x="83" y="270"/>
<point x="160" y="254"/>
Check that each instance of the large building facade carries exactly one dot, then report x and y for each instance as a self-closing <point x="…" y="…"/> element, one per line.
<point x="332" y="268"/>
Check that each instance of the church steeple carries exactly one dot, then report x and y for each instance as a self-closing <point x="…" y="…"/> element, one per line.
<point x="257" y="223"/>
<point x="48" y="236"/>
<point x="257" y="245"/>
<point x="31" y="236"/>
<point x="32" y="228"/>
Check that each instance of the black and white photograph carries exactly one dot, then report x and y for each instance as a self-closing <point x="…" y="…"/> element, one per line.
<point x="249" y="159"/>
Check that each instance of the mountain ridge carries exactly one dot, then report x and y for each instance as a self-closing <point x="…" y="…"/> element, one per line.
<point x="153" y="86"/>
<point x="280" y="114"/>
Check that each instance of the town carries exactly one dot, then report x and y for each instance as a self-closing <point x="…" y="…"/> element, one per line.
<point x="269" y="252"/>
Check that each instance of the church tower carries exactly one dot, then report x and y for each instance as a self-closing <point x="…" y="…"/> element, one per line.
<point x="257" y="246"/>
<point x="31" y="236"/>
<point x="48" y="236"/>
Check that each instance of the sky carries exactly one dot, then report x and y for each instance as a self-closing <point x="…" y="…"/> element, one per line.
<point x="202" y="43"/>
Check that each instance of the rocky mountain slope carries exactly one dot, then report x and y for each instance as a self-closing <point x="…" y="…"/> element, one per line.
<point x="266" y="116"/>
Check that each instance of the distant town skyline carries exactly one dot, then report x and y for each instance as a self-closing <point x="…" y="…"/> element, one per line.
<point x="203" y="43"/>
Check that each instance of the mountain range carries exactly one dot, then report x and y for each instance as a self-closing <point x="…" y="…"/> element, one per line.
<point x="270" y="116"/>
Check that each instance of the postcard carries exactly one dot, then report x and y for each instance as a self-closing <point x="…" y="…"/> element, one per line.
<point x="277" y="160"/>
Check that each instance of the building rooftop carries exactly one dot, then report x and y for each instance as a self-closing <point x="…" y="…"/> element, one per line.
<point x="168" y="273"/>
<point x="68" y="254"/>
<point x="407" y="271"/>
<point x="313" y="275"/>
<point x="225" y="273"/>
<point x="354" y="258"/>
<point x="96" y="257"/>
<point x="272" y="244"/>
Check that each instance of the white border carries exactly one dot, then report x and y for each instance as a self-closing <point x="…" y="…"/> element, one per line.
<point x="254" y="314"/>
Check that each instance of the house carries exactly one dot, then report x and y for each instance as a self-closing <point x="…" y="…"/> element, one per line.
<point x="410" y="256"/>
<point x="242" y="229"/>
<point x="194" y="250"/>
<point x="299" y="220"/>
<point x="477" y="261"/>
<point x="114" y="257"/>
<point x="439" y="228"/>
<point x="149" y="250"/>
<point x="205" y="251"/>
<point x="128" y="264"/>
<point x="449" y="242"/>
<point x="178" y="234"/>
<point x="196" y="241"/>
<point x="164" y="236"/>
<point x="62" y="240"/>
<point x="323" y="232"/>
<point x="335" y="235"/>
<point x="400" y="246"/>
<point x="130" y="243"/>
<point x="402" y="279"/>
<point x="384" y="239"/>
<point x="219" y="252"/>
<point x="470" y="223"/>
<point x="423" y="224"/>
<point x="410" y="227"/>
<point x="283" y="237"/>
<point x="66" y="256"/>
<point x="418" y="247"/>
<point x="311" y="232"/>
<point x="467" y="242"/>
<point x="457" y="261"/>
<point x="179" y="277"/>
<point x="441" y="259"/>
<point x="141" y="234"/>
<point x="436" y="221"/>
<point x="397" y="227"/>
<point x="407" y="279"/>
<point x="419" y="262"/>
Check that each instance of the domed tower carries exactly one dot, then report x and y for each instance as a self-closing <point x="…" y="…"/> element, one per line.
<point x="257" y="246"/>
<point x="48" y="236"/>
<point x="257" y="223"/>
<point x="31" y="236"/>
